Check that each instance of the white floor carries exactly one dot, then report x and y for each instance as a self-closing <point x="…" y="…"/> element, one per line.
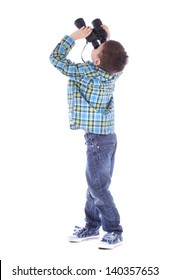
<point x="53" y="251"/>
<point x="37" y="237"/>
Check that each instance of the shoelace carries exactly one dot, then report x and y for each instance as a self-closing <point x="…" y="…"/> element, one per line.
<point x="79" y="230"/>
<point x="109" y="236"/>
<point x="83" y="231"/>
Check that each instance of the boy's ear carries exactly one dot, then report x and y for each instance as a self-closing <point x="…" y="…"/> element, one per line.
<point x="97" y="61"/>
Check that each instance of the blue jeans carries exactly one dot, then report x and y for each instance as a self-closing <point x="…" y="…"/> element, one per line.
<point x="100" y="209"/>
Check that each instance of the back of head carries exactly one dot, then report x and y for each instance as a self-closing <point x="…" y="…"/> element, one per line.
<point x="113" y="57"/>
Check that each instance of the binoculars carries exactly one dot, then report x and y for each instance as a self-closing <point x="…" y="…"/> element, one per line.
<point x="98" y="34"/>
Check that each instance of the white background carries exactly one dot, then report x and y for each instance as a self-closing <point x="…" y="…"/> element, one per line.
<point x="42" y="162"/>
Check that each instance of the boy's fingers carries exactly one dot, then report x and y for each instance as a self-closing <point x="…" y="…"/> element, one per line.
<point x="89" y="29"/>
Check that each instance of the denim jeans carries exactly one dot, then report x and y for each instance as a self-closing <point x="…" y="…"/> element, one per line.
<point x="100" y="208"/>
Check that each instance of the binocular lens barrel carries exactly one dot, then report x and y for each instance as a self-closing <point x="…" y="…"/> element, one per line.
<point x="79" y="23"/>
<point x="96" y="23"/>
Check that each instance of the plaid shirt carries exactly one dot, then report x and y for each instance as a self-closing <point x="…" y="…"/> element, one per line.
<point x="90" y="91"/>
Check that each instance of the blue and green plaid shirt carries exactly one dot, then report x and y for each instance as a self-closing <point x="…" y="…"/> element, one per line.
<point x="90" y="91"/>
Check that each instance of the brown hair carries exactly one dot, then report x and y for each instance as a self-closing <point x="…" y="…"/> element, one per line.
<point x="113" y="57"/>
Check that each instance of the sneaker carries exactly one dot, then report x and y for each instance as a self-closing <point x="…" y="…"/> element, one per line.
<point x="110" y="240"/>
<point x="83" y="233"/>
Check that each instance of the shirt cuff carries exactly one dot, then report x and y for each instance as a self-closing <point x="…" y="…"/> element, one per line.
<point x="69" y="40"/>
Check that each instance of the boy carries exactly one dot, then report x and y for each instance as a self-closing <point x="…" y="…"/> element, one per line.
<point x="91" y="108"/>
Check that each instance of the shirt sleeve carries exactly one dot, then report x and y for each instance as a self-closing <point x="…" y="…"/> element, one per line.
<point x="64" y="65"/>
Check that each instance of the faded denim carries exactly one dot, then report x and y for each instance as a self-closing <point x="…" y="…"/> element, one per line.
<point x="100" y="208"/>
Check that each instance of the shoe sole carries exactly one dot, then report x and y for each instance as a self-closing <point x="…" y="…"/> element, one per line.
<point x="77" y="240"/>
<point x="109" y="246"/>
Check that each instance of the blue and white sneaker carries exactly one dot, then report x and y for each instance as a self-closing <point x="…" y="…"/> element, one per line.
<point x="83" y="233"/>
<point x="110" y="240"/>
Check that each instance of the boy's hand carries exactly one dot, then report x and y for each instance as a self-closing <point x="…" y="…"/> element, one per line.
<point x="106" y="28"/>
<point x="81" y="33"/>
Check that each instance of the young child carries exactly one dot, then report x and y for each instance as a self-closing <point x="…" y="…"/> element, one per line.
<point x="91" y="108"/>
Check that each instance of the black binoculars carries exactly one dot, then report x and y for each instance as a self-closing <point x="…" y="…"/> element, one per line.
<point x="98" y="34"/>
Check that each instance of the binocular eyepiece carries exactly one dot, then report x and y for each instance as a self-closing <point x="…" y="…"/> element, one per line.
<point x="98" y="34"/>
